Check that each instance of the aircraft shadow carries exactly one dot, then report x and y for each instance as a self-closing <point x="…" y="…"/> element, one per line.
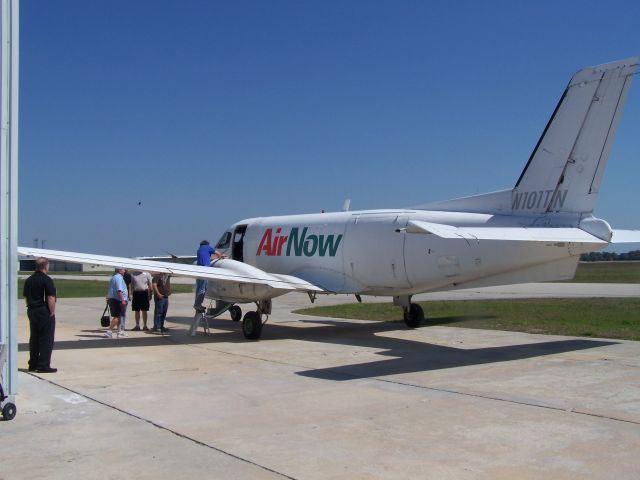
<point x="88" y="339"/>
<point x="99" y="341"/>
<point x="428" y="357"/>
<point x="461" y="318"/>
<point x="407" y="356"/>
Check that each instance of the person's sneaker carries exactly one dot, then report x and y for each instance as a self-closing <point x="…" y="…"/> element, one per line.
<point x="164" y="330"/>
<point x="136" y="328"/>
<point x="154" y="329"/>
<point x="122" y="333"/>
<point x="108" y="334"/>
<point x="145" y="328"/>
<point x="47" y="370"/>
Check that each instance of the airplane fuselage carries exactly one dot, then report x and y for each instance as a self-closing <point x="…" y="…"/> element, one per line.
<point x="371" y="253"/>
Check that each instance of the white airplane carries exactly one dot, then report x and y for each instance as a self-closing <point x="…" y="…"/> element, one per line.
<point x="531" y="233"/>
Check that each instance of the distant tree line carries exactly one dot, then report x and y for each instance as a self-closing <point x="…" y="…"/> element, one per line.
<point x="610" y="256"/>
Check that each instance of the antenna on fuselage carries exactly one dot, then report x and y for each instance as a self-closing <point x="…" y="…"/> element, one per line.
<point x="346" y="205"/>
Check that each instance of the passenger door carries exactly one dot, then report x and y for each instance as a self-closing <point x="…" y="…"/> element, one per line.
<point x="237" y="245"/>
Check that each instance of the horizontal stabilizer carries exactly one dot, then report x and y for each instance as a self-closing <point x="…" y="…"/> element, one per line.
<point x="224" y="270"/>
<point x="625" y="236"/>
<point x="523" y="234"/>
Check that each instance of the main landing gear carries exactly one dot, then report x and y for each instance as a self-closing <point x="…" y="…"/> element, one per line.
<point x="413" y="313"/>
<point x="413" y="316"/>
<point x="252" y="322"/>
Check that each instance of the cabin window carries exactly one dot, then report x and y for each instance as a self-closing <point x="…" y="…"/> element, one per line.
<point x="225" y="240"/>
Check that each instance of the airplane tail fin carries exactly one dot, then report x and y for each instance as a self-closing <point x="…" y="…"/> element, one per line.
<point x="565" y="169"/>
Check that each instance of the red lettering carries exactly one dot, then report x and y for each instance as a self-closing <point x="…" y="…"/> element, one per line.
<point x="274" y="243"/>
<point x="281" y="242"/>
<point x="265" y="243"/>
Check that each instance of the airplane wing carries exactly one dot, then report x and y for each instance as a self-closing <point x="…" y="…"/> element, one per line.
<point x="534" y="234"/>
<point x="187" y="259"/>
<point x="625" y="236"/>
<point x="224" y="270"/>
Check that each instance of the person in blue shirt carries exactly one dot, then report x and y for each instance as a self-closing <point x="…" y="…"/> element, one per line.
<point x="117" y="298"/>
<point x="206" y="254"/>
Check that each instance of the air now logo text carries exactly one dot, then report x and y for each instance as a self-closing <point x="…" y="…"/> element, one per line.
<point x="298" y="243"/>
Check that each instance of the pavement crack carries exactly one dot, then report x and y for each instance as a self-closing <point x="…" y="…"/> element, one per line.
<point x="436" y="389"/>
<point x="506" y="400"/>
<point x="424" y="387"/>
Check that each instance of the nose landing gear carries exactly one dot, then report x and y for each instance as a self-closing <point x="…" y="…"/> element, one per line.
<point x="236" y="313"/>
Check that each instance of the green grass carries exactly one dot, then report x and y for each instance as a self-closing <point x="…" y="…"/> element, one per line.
<point x="91" y="288"/>
<point x="607" y="272"/>
<point x="592" y="317"/>
<point x="588" y="272"/>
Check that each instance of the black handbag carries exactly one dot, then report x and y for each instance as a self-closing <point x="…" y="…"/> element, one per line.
<point x="105" y="320"/>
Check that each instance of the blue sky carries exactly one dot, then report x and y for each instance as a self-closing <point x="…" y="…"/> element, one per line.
<point x="209" y="112"/>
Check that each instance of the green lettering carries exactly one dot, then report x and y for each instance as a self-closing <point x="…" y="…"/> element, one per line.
<point x="331" y="244"/>
<point x="311" y="245"/>
<point x="297" y="243"/>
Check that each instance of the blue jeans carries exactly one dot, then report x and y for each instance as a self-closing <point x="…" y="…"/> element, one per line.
<point x="201" y="289"/>
<point x="160" y="312"/>
<point x="123" y="315"/>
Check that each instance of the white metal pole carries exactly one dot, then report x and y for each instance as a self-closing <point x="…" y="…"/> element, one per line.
<point x="9" y="192"/>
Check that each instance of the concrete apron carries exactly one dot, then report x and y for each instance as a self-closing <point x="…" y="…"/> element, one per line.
<point x="318" y="398"/>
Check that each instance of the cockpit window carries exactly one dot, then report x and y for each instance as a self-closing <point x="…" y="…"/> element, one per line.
<point x="225" y="240"/>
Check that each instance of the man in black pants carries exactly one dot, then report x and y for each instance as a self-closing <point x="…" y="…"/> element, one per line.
<point x="40" y="294"/>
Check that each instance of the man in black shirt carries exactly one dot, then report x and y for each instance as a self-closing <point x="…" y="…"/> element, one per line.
<point x="40" y="294"/>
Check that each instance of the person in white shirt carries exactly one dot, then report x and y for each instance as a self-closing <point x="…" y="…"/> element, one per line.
<point x="141" y="288"/>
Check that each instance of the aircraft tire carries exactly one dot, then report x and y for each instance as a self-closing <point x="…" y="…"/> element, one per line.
<point x="236" y="313"/>
<point x="252" y="326"/>
<point x="9" y="411"/>
<point x="414" y="316"/>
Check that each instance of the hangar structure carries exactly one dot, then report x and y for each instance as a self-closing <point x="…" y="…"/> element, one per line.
<point x="8" y="204"/>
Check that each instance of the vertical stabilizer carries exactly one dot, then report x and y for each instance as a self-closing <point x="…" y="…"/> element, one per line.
<point x="565" y="169"/>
